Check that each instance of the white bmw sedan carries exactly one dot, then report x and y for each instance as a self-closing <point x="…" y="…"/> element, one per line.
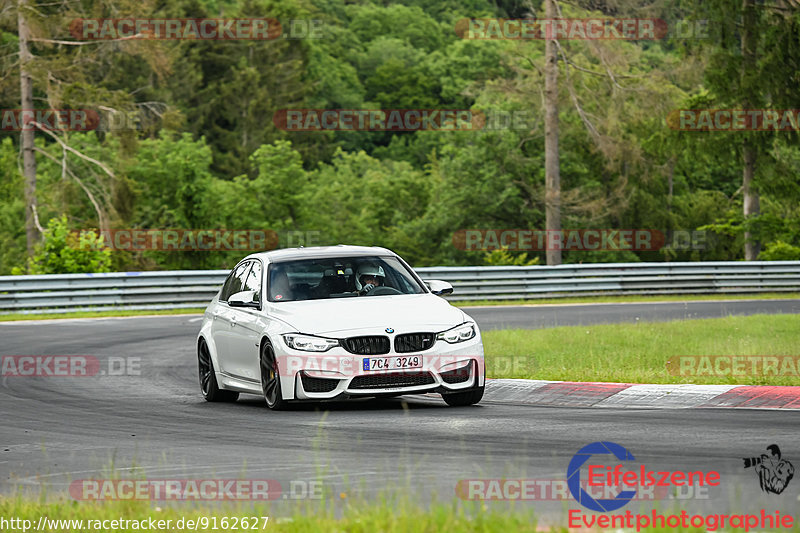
<point x="336" y="322"/>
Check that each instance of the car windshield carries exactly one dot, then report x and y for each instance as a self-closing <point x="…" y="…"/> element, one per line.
<point x="323" y="278"/>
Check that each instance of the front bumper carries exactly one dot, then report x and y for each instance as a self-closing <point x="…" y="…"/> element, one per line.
<point x="325" y="376"/>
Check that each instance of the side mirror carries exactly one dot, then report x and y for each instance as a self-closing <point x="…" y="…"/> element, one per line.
<point x="244" y="299"/>
<point x="439" y="288"/>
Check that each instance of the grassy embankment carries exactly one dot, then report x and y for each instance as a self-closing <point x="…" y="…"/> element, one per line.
<point x="638" y="353"/>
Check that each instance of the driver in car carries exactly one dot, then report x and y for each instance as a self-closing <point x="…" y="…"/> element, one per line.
<point x="368" y="277"/>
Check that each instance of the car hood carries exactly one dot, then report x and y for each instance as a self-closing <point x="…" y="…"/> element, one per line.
<point x="370" y="314"/>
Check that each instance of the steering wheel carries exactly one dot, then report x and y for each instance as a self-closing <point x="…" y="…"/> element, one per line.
<point x="383" y="291"/>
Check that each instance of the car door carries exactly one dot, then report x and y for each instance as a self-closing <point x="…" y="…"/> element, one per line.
<point x="222" y="316"/>
<point x="246" y="329"/>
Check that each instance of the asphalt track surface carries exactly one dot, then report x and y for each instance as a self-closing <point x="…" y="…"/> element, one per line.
<point x="156" y="425"/>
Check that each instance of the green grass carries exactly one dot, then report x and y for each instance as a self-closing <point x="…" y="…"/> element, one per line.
<point x="638" y="353"/>
<point x="632" y="298"/>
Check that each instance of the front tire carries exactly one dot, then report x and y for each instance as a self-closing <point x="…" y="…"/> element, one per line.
<point x="459" y="399"/>
<point x="208" y="378"/>
<point x="271" y="378"/>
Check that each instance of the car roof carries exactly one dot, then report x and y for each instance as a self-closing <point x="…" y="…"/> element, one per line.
<point x="315" y="252"/>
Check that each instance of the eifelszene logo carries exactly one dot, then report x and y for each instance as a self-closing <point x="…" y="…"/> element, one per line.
<point x="774" y="473"/>
<point x="606" y="476"/>
<point x="574" y="476"/>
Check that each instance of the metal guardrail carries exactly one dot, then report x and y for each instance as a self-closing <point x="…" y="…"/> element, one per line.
<point x="195" y="288"/>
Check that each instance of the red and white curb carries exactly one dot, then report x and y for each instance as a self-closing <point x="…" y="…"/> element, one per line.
<point x="631" y="395"/>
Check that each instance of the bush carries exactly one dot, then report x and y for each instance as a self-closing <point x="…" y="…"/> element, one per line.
<point x="780" y="251"/>
<point x="61" y="253"/>
<point x="502" y="257"/>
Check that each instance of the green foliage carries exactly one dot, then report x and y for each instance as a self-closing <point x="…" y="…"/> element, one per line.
<point x="270" y="200"/>
<point x="502" y="257"/>
<point x="359" y="199"/>
<point x="170" y="175"/>
<point x="12" y="210"/>
<point x="66" y="252"/>
<point x="212" y="158"/>
<point x="780" y="251"/>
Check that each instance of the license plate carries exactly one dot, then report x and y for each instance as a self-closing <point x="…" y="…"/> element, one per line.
<point x="392" y="363"/>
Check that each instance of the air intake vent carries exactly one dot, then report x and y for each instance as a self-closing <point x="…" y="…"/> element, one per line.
<point x="458" y="375"/>
<point x="392" y="380"/>
<point x="311" y="384"/>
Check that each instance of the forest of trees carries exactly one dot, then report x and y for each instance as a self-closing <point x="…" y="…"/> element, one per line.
<point x="197" y="146"/>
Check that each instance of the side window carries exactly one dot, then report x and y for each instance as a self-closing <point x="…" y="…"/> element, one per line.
<point x="253" y="281"/>
<point x="235" y="281"/>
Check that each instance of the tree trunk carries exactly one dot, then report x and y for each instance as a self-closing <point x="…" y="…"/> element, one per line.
<point x="670" y="181"/>
<point x="751" y="200"/>
<point x="552" y="178"/>
<point x="749" y="151"/>
<point x="27" y="133"/>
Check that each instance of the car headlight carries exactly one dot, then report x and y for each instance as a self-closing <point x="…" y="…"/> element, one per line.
<point x="461" y="333"/>
<point x="309" y="343"/>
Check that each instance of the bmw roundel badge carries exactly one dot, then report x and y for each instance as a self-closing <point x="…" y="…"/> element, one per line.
<point x="389" y="330"/>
